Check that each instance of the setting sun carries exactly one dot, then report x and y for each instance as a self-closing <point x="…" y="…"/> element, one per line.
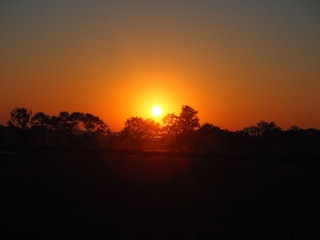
<point x="156" y="111"/>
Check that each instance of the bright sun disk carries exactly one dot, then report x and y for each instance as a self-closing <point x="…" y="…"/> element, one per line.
<point x="156" y="111"/>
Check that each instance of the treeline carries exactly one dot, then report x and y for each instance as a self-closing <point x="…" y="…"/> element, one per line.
<point x="64" y="130"/>
<point x="66" y="122"/>
<point x="181" y="132"/>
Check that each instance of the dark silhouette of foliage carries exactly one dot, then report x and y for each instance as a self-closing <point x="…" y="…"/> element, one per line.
<point x="208" y="128"/>
<point x="94" y="124"/>
<point x="267" y="127"/>
<point x="178" y="129"/>
<point x="40" y="119"/>
<point x="66" y="123"/>
<point x="153" y="128"/>
<point x="171" y="125"/>
<point x="54" y="123"/>
<point x="20" y="117"/>
<point x="63" y="130"/>
<point x="178" y="133"/>
<point x="90" y="122"/>
<point x="135" y="128"/>
<point x="186" y="122"/>
<point x="294" y="128"/>
<point x="261" y="129"/>
<point x="209" y="137"/>
<point x="188" y="119"/>
<point x="139" y="129"/>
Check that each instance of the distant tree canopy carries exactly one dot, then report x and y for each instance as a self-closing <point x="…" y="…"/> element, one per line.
<point x="139" y="129"/>
<point x="171" y="124"/>
<point x="181" y="132"/>
<point x="261" y="129"/>
<point x="65" y="122"/>
<point x="20" y="117"/>
<point x="93" y="124"/>
<point x="187" y="121"/>
<point x="41" y="119"/>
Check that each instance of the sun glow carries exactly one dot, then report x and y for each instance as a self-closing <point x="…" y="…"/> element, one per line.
<point x="156" y="111"/>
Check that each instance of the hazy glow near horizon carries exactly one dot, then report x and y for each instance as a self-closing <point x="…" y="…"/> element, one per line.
<point x="236" y="62"/>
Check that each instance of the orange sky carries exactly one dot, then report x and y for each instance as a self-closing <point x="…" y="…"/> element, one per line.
<point x="236" y="63"/>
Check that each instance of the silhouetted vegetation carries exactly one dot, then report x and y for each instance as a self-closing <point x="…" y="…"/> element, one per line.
<point x="68" y="176"/>
<point x="178" y="133"/>
<point x="66" y="130"/>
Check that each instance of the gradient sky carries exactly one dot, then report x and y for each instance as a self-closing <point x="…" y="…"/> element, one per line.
<point x="236" y="62"/>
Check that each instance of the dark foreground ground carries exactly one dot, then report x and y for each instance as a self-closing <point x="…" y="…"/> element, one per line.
<point x="156" y="196"/>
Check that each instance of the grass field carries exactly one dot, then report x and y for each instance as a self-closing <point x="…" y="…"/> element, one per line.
<point x="138" y="195"/>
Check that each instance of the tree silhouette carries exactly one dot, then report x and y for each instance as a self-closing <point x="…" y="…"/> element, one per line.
<point x="294" y="128"/>
<point x="188" y="119"/>
<point x="40" y="119"/>
<point x="251" y="131"/>
<point x="179" y="132"/>
<point x="208" y="138"/>
<point x="94" y="124"/>
<point x="54" y="123"/>
<point x="267" y="127"/>
<point x="139" y="130"/>
<point x="135" y="128"/>
<point x="171" y="125"/>
<point x="208" y="128"/>
<point x="179" y="129"/>
<point x="20" y="117"/>
<point x="186" y="122"/>
<point x="153" y="128"/>
<point x="40" y="126"/>
<point x="261" y="129"/>
<point x="66" y="122"/>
